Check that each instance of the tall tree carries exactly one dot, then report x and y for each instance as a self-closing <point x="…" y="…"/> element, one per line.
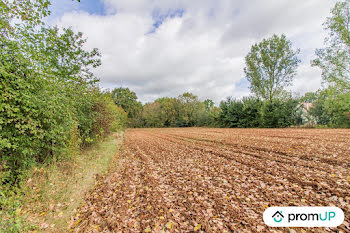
<point x="169" y="110"/>
<point x="188" y="105"/>
<point x="64" y="54"/>
<point x="127" y="99"/>
<point x="271" y="66"/>
<point x="152" y="116"/>
<point x="334" y="59"/>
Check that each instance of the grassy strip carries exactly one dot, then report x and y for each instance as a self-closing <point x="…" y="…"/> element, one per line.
<point x="54" y="192"/>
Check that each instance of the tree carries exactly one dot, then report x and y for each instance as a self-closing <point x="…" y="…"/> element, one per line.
<point x="189" y="104"/>
<point x="27" y="14"/>
<point x="271" y="66"/>
<point x="169" y="110"/>
<point x="309" y="97"/>
<point x="231" y="113"/>
<point x="279" y="113"/>
<point x="127" y="99"/>
<point x="334" y="60"/>
<point x="209" y="104"/>
<point x="152" y="116"/>
<point x="251" y="110"/>
<point x="64" y="55"/>
<point x="332" y="107"/>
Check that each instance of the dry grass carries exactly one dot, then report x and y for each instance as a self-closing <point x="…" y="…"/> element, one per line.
<point x="56" y="191"/>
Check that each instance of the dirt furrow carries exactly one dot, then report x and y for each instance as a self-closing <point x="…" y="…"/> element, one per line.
<point x="185" y="180"/>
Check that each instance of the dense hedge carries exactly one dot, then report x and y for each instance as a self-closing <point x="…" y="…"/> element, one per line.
<point x="251" y="112"/>
<point x="50" y="102"/>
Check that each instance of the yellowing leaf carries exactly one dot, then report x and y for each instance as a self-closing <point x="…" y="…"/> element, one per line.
<point x="43" y="213"/>
<point x="168" y="225"/>
<point x="198" y="227"/>
<point x="77" y="222"/>
<point x="147" y="230"/>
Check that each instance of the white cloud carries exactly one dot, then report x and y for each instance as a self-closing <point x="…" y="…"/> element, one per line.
<point x="203" y="50"/>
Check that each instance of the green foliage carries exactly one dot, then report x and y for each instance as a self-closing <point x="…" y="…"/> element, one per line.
<point x="334" y="59"/>
<point x="332" y="107"/>
<point x="152" y="115"/>
<point x="28" y="12"/>
<point x="251" y="112"/>
<point x="188" y="105"/>
<point x="318" y="110"/>
<point x="231" y="113"/>
<point x="184" y="111"/>
<point x="309" y="97"/>
<point x="63" y="58"/>
<point x="10" y="206"/>
<point x="169" y="110"/>
<point x="280" y="114"/>
<point x="240" y="113"/>
<point x="271" y="66"/>
<point x="127" y="99"/>
<point x="49" y="103"/>
<point x="251" y="107"/>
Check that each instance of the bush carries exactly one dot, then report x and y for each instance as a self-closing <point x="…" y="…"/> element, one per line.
<point x="109" y="117"/>
<point x="251" y="112"/>
<point x="332" y="108"/>
<point x="240" y="113"/>
<point x="279" y="113"/>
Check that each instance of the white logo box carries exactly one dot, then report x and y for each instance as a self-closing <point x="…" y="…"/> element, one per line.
<point x="303" y="216"/>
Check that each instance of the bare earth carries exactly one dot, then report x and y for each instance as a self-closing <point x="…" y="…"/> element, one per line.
<point x="218" y="180"/>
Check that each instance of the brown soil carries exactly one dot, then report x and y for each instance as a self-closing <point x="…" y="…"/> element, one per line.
<point x="218" y="180"/>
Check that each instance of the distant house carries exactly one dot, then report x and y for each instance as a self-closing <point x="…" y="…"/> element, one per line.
<point x="307" y="118"/>
<point x="307" y="106"/>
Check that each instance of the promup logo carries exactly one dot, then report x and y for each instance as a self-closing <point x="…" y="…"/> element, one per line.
<point x="303" y="216"/>
<point x="278" y="216"/>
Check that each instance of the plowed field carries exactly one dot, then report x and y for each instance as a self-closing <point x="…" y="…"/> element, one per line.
<point x="218" y="180"/>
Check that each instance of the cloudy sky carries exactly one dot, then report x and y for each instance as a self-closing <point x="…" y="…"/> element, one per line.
<point x="167" y="47"/>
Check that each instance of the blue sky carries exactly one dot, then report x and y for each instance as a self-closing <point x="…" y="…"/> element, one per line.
<point x="60" y="7"/>
<point x="159" y="16"/>
<point x="167" y="47"/>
